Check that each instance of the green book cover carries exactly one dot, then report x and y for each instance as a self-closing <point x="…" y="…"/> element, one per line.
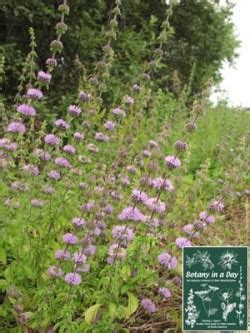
<point x="215" y="288"/>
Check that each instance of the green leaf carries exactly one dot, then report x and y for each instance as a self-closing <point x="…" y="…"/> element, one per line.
<point x="3" y="284"/>
<point x="133" y="304"/>
<point x="91" y="313"/>
<point x="3" y="258"/>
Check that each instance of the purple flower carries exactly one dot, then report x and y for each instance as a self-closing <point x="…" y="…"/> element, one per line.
<point x="47" y="189"/>
<point x="146" y="153"/>
<point x="123" y="232"/>
<point x="44" y="77"/>
<point x="217" y="206"/>
<point x="131" y="214"/>
<point x="42" y="154"/>
<point x="70" y="238"/>
<point x="155" y="205"/>
<point x="85" y="97"/>
<point x="31" y="169"/>
<point x="74" y="110"/>
<point x="139" y="196"/>
<point x="108" y="209"/>
<point x="152" y="143"/>
<point x="83" y="268"/>
<point x="26" y="110"/>
<point x="79" y="258"/>
<point x="148" y="305"/>
<point x="165" y="292"/>
<point x="172" y="162"/>
<point x="101" y="137"/>
<point x="62" y="162"/>
<point x="73" y="278"/>
<point x="78" y="222"/>
<point x="69" y="149"/>
<point x="55" y="271"/>
<point x="181" y="145"/>
<point x="160" y="184"/>
<point x="37" y="203"/>
<point x="89" y="206"/>
<point x="90" y="250"/>
<point x="109" y="125"/>
<point x="51" y="139"/>
<point x="167" y="260"/>
<point x="119" y="112"/>
<point x="189" y="229"/>
<point x="115" y="251"/>
<point x="34" y="93"/>
<point x="208" y="219"/>
<point x="51" y="62"/>
<point x="19" y="186"/>
<point x="199" y="224"/>
<point x="7" y="144"/>
<point x="62" y="124"/>
<point x="78" y="136"/>
<point x="62" y="254"/>
<point x="91" y="147"/>
<point x="128" y="100"/>
<point x="16" y="127"/>
<point x="125" y="181"/>
<point x="136" y="88"/>
<point x="182" y="242"/>
<point x="131" y="169"/>
<point x="53" y="174"/>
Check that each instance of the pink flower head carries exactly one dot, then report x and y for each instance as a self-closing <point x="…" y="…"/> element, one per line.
<point x="78" y="222"/>
<point x="16" y="127"/>
<point x="74" y="110"/>
<point x="62" y="255"/>
<point x="85" y="97"/>
<point x="167" y="260"/>
<point x="123" y="233"/>
<point x="70" y="238"/>
<point x="51" y="139"/>
<point x="217" y="206"/>
<point x="148" y="305"/>
<point x="34" y="93"/>
<point x="119" y="112"/>
<point x="37" y="203"/>
<point x="109" y="125"/>
<point x="79" y="258"/>
<point x="182" y="242"/>
<point x="55" y="271"/>
<point x="128" y="100"/>
<point x="62" y="124"/>
<point x="26" y="110"/>
<point x="44" y="77"/>
<point x="156" y="205"/>
<point x="78" y="136"/>
<point x="131" y="214"/>
<point x="69" y="149"/>
<point x="165" y="292"/>
<point x="62" y="162"/>
<point x="42" y="154"/>
<point x="73" y="278"/>
<point x="55" y="175"/>
<point x="172" y="162"/>
<point x="101" y="137"/>
<point x="31" y="169"/>
<point x="139" y="196"/>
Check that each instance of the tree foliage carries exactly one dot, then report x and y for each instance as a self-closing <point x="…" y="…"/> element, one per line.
<point x="204" y="35"/>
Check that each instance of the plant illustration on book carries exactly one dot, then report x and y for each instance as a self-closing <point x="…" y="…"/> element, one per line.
<point x="191" y="309"/>
<point x="226" y="304"/>
<point x="202" y="258"/>
<point x="242" y="297"/>
<point x="228" y="260"/>
<point x="207" y="296"/>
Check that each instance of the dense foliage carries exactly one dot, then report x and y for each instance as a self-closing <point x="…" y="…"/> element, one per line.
<point x="101" y="192"/>
<point x="204" y="36"/>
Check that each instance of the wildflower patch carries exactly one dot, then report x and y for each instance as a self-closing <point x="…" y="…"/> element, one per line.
<point x="215" y="288"/>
